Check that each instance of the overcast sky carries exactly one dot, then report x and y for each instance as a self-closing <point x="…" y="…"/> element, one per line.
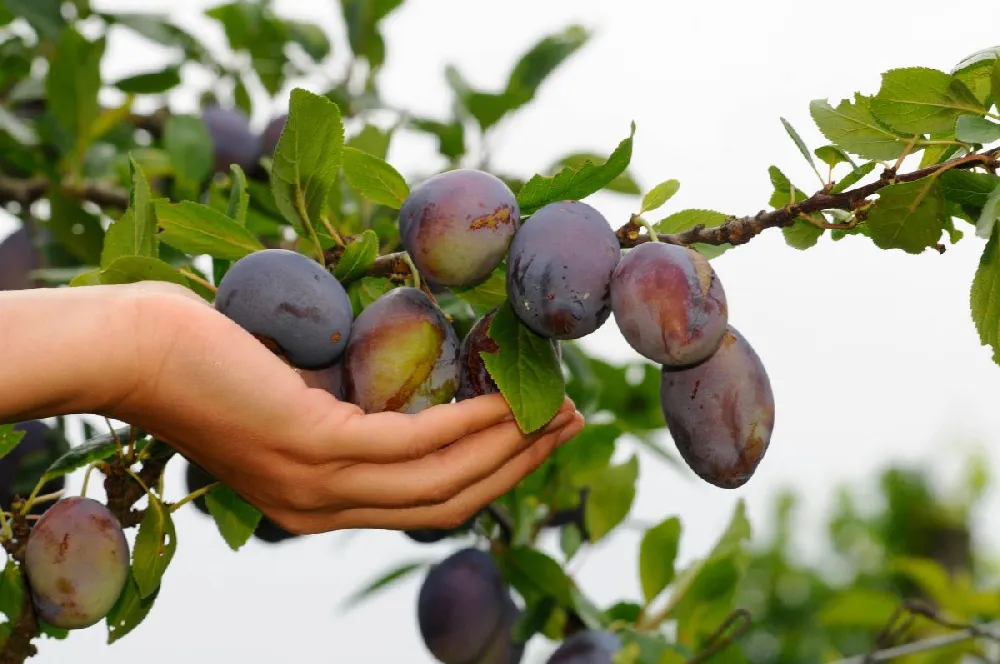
<point x="872" y="355"/>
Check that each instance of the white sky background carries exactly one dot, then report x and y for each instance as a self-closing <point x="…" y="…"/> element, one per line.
<point x="872" y="355"/>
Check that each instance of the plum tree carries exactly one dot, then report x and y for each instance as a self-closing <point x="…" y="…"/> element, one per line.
<point x="402" y="355"/>
<point x="197" y="478"/>
<point x="669" y="303"/>
<point x="233" y="141"/>
<point x="720" y="412"/>
<point x="463" y="607"/>
<point x="457" y="226"/>
<point x="24" y="466"/>
<point x="77" y="561"/>
<point x="587" y="647"/>
<point x="289" y="302"/>
<point x="17" y="260"/>
<point x="559" y="270"/>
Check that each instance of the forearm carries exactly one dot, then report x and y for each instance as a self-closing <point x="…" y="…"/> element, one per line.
<point x="65" y="350"/>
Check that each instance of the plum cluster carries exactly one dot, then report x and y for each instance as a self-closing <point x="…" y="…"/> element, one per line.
<point x="235" y="142"/>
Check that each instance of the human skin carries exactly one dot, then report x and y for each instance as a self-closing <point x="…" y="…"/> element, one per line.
<point x="159" y="357"/>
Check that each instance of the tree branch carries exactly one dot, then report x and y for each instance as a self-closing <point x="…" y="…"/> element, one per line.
<point x="740" y="230"/>
<point x="28" y="190"/>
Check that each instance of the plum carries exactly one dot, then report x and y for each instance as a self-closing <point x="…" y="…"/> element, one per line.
<point x="559" y="270"/>
<point x="195" y="478"/>
<point x="21" y="469"/>
<point x="272" y="134"/>
<point x="462" y="605"/>
<point x="402" y="355"/>
<point x="502" y="648"/>
<point x="233" y="142"/>
<point x="457" y="226"/>
<point x="720" y="412"/>
<point x="432" y="535"/>
<point x="290" y="302"/>
<point x="669" y="304"/>
<point x="17" y="260"/>
<point x="473" y="378"/>
<point x="77" y="562"/>
<point x="330" y="379"/>
<point x="587" y="647"/>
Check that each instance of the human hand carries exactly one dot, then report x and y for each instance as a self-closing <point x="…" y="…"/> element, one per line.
<point x="310" y="462"/>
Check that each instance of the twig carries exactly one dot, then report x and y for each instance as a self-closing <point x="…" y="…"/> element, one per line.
<point x="740" y="230"/>
<point x="989" y="630"/>
<point x="28" y="190"/>
<point x="719" y="640"/>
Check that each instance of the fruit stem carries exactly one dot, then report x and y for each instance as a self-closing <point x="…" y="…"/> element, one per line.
<point x="195" y="278"/>
<point x="653" y="236"/>
<point x="332" y="231"/>
<point x="194" y="495"/>
<point x="86" y="479"/>
<point x="413" y="269"/>
<point x="34" y="495"/>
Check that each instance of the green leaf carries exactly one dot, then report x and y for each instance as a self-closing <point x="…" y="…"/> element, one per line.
<point x="995" y="83"/>
<point x="525" y="369"/>
<point x="129" y="611"/>
<point x="575" y="183"/>
<point x="9" y="439"/>
<point x="98" y="448"/>
<point x="374" y="179"/>
<point x="73" y="83"/>
<point x="487" y="296"/>
<point x="236" y="518"/>
<point x="133" y="269"/>
<point x="858" y="607"/>
<point x="154" y="547"/>
<point x="802" y="235"/>
<point x="536" y="574"/>
<point x="852" y="127"/>
<point x="611" y="499"/>
<point x="933" y="579"/>
<point x="984" y="297"/>
<point x="450" y="136"/>
<point x="187" y="141"/>
<point x="151" y="83"/>
<point x="87" y="278"/>
<point x="307" y="158"/>
<point x="134" y="234"/>
<point x="362" y="18"/>
<point x="77" y="230"/>
<point x="12" y="590"/>
<point x="658" y="196"/>
<point x="45" y="16"/>
<point x="657" y="554"/>
<point x="624" y="183"/>
<point x="967" y="188"/>
<point x="372" y="140"/>
<point x="918" y="100"/>
<point x="799" y="143"/>
<point x="853" y="177"/>
<point x="366" y="290"/>
<point x="198" y="229"/>
<point x="908" y="216"/>
<point x="989" y="215"/>
<point x="685" y="220"/>
<point x="239" y="196"/>
<point x="310" y="37"/>
<point x="382" y="582"/>
<point x="357" y="258"/>
<point x="974" y="129"/>
<point x="831" y="155"/>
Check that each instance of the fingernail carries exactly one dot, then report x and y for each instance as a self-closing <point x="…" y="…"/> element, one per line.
<point x="558" y="422"/>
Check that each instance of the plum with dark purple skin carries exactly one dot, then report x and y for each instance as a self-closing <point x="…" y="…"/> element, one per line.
<point x="559" y="270"/>
<point x="195" y="478"/>
<point x="433" y="535"/>
<point x="402" y="355"/>
<point x="330" y="379"/>
<point x="473" y="378"/>
<point x="669" y="304"/>
<point x="462" y="607"/>
<point x="457" y="226"/>
<point x="24" y="466"/>
<point x="291" y="304"/>
<point x="587" y="647"/>
<point x="233" y="141"/>
<point x="720" y="412"/>
<point x="503" y="649"/>
<point x="77" y="562"/>
<point x="17" y="260"/>
<point x="272" y="134"/>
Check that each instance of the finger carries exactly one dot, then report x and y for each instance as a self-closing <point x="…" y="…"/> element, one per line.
<point x="392" y="437"/>
<point x="438" y="477"/>
<point x="449" y="514"/>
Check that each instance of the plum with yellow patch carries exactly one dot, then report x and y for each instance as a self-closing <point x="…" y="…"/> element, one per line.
<point x="669" y="304"/>
<point x="457" y="226"/>
<point x="402" y="355"/>
<point x="720" y="412"/>
<point x="77" y="561"/>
